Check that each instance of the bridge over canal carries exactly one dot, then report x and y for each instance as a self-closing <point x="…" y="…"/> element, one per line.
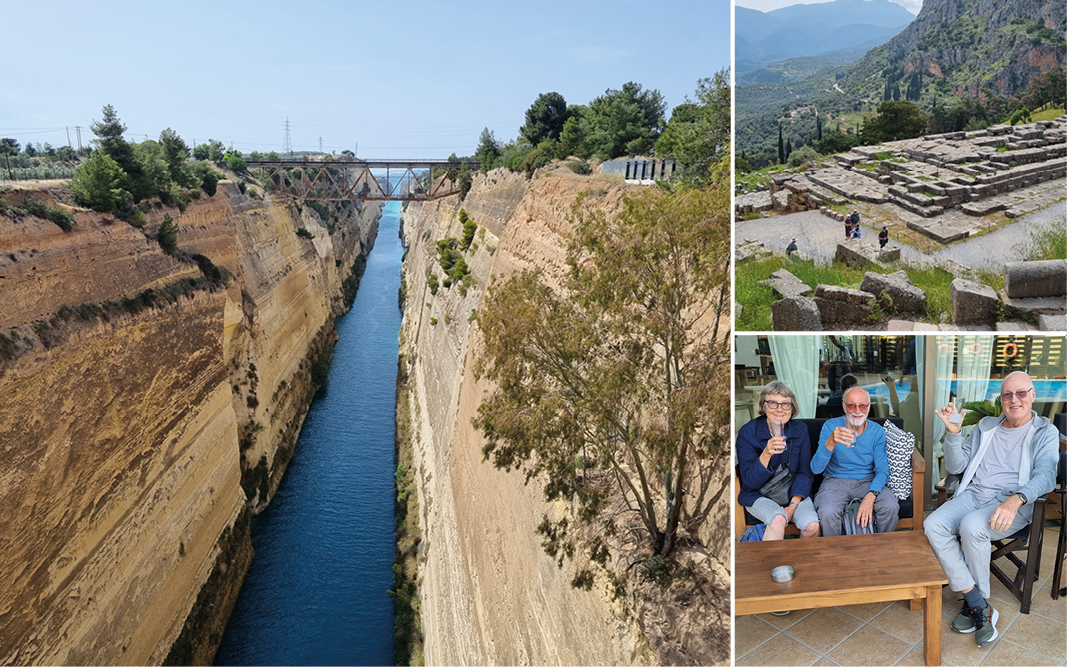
<point x="352" y="179"/>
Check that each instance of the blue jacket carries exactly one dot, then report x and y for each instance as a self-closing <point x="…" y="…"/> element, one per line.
<point x="751" y="441"/>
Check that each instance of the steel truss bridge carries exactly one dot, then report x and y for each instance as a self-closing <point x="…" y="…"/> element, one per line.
<point x="352" y="179"/>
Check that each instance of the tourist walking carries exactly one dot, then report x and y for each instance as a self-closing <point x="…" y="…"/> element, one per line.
<point x="883" y="237"/>
<point x="848" y="226"/>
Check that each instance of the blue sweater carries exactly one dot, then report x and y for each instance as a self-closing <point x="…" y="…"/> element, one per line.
<point x="752" y="439"/>
<point x="867" y="458"/>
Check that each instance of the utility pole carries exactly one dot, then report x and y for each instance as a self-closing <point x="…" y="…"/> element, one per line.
<point x="78" y="129"/>
<point x="287" y="147"/>
<point x="68" y="138"/>
<point x="320" y="143"/>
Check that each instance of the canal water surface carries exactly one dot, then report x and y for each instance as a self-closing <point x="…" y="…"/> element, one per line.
<point x="316" y="593"/>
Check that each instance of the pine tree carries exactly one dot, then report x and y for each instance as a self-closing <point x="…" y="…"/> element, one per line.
<point x="818" y="126"/>
<point x="788" y="148"/>
<point x="781" y="146"/>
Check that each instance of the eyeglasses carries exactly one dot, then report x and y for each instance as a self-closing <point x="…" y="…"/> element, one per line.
<point x="1021" y="395"/>
<point x="774" y="405"/>
<point x="857" y="406"/>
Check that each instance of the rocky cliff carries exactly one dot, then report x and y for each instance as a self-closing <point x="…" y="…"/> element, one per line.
<point x="490" y="595"/>
<point x="976" y="46"/>
<point x="140" y="392"/>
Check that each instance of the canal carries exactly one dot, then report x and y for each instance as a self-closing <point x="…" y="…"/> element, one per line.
<point x="316" y="593"/>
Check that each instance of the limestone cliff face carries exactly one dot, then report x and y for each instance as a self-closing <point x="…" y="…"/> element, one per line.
<point x="128" y="385"/>
<point x="981" y="44"/>
<point x="489" y="593"/>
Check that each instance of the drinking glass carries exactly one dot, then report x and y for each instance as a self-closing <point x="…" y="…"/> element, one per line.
<point x="776" y="428"/>
<point x="855" y="433"/>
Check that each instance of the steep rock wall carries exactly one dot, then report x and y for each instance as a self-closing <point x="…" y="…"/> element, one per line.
<point x="489" y="593"/>
<point x="122" y="414"/>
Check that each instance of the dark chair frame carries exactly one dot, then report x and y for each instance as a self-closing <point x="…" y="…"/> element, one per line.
<point x="1061" y="546"/>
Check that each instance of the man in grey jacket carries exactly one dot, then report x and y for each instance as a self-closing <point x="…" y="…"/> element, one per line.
<point x="1007" y="462"/>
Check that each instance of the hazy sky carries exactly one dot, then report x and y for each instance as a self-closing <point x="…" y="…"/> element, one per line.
<point x="912" y="6"/>
<point x="409" y="78"/>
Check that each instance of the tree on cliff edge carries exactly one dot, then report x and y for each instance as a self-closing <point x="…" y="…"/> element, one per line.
<point x="612" y="390"/>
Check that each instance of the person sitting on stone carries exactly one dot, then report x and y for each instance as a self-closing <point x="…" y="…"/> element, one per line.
<point x="856" y="230"/>
<point x="855" y="466"/>
<point x="791" y="248"/>
<point x="1007" y="462"/>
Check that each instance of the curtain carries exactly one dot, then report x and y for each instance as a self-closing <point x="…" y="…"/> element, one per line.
<point x="942" y="389"/>
<point x="796" y="362"/>
<point x="974" y="360"/>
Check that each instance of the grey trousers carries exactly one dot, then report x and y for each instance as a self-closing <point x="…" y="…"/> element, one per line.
<point x="836" y="492"/>
<point x="966" y="561"/>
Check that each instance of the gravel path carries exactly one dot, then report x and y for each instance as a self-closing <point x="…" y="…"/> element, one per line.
<point x="818" y="236"/>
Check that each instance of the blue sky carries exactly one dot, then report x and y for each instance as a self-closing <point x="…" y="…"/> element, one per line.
<point x="414" y="78"/>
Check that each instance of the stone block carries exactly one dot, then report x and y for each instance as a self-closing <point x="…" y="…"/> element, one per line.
<point x="843" y="309"/>
<point x="890" y="253"/>
<point x="973" y="303"/>
<point x="1024" y="307"/>
<point x="899" y="325"/>
<point x="903" y="297"/>
<point x="750" y="249"/>
<point x="1036" y="279"/>
<point x="862" y="255"/>
<point x="795" y="313"/>
<point x="1052" y="322"/>
<point x="787" y="285"/>
<point x="1015" y="325"/>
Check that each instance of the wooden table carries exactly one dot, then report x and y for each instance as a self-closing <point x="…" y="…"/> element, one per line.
<point x="845" y="570"/>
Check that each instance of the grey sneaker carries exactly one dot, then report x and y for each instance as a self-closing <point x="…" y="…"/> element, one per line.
<point x="985" y="625"/>
<point x="963" y="622"/>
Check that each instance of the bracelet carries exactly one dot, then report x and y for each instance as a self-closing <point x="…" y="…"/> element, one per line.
<point x="793" y="503"/>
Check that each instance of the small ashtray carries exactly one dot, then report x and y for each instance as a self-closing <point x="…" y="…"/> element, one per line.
<point x="783" y="573"/>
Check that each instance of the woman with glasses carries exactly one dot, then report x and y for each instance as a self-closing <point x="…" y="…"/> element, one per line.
<point x="767" y="447"/>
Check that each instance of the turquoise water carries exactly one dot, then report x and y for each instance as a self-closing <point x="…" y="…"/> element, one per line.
<point x="316" y="591"/>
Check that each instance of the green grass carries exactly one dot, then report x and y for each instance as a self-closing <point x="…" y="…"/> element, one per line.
<point x="1049" y="243"/>
<point x="1047" y="114"/>
<point x="756" y="299"/>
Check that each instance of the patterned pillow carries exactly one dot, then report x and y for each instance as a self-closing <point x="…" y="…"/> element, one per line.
<point x="899" y="446"/>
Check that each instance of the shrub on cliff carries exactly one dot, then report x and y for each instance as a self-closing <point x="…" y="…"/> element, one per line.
<point x="57" y="215"/>
<point x="98" y="184"/>
<point x="168" y="235"/>
<point x="470" y="228"/>
<point x="614" y="390"/>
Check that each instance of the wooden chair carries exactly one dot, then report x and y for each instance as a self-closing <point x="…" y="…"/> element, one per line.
<point x="1061" y="489"/>
<point x="1026" y="539"/>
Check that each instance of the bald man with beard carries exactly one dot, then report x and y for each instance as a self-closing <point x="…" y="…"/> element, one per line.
<point x="855" y="466"/>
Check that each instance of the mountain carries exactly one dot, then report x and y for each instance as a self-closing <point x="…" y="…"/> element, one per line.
<point x="967" y="48"/>
<point x="763" y="38"/>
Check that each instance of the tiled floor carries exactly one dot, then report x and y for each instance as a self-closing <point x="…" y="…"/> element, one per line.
<point x="890" y="634"/>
